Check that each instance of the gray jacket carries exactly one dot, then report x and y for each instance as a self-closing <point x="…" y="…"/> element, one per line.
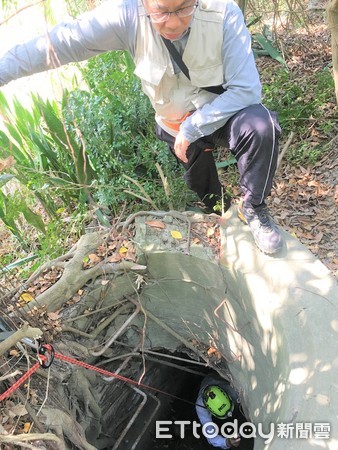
<point x="113" y="26"/>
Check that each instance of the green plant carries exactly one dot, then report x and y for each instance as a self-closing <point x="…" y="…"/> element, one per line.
<point x="306" y="112"/>
<point x="45" y="153"/>
<point x="49" y="160"/>
<point x="117" y="125"/>
<point x="305" y="153"/>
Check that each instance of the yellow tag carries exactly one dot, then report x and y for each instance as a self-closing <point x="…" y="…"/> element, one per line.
<point x="123" y="250"/>
<point x="176" y="234"/>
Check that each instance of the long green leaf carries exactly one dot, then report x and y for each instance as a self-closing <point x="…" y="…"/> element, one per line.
<point x="32" y="218"/>
<point x="9" y="221"/>
<point x="20" y="262"/>
<point x="268" y="47"/>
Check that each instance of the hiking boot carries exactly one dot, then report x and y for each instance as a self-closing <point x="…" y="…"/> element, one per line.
<point x="265" y="232"/>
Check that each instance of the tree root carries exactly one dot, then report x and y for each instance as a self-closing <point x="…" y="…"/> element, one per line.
<point x="188" y="216"/>
<point x="74" y="277"/>
<point x="16" y="439"/>
<point x="24" y="332"/>
<point x="64" y="425"/>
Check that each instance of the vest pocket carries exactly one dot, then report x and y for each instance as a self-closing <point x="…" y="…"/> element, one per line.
<point x="207" y="76"/>
<point x="151" y="75"/>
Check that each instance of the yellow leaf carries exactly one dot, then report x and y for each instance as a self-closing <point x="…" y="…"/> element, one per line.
<point x="176" y="234"/>
<point x="26" y="297"/>
<point x="123" y="250"/>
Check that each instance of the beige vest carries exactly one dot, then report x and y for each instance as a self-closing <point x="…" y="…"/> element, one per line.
<point x="173" y="96"/>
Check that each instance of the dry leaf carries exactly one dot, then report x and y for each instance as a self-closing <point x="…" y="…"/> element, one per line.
<point x="319" y="237"/>
<point x="114" y="258"/>
<point x="104" y="282"/>
<point x="6" y="163"/>
<point x="93" y="259"/>
<point x="213" y="352"/>
<point x="44" y="288"/>
<point x="155" y="224"/>
<point x="53" y="315"/>
<point x="18" y="410"/>
<point x="176" y="234"/>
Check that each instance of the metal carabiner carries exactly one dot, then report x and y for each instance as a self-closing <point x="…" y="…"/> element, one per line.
<point x="48" y="352"/>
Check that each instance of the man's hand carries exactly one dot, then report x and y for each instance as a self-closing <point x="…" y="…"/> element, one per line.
<point x="181" y="147"/>
<point x="234" y="442"/>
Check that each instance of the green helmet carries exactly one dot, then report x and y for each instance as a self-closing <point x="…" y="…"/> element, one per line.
<point x="218" y="402"/>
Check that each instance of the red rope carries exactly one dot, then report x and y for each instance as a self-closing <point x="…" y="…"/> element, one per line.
<point x="115" y="375"/>
<point x="19" y="382"/>
<point x="109" y="374"/>
<point x="69" y="360"/>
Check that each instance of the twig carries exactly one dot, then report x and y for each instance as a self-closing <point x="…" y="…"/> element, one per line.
<point x="21" y="9"/>
<point x="165" y="185"/>
<point x="284" y="150"/>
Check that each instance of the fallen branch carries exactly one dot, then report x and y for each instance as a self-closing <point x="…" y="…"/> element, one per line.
<point x="284" y="150"/>
<point x="25" y="332"/>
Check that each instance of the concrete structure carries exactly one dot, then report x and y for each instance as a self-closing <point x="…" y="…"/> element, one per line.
<point x="286" y="308"/>
<point x="273" y="319"/>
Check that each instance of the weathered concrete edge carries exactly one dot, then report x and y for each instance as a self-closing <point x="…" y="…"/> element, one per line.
<point x="288" y="365"/>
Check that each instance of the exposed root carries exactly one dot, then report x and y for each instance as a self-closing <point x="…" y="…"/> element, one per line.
<point x="25" y="331"/>
<point x="64" y="425"/>
<point x="75" y="277"/>
<point x="18" y="438"/>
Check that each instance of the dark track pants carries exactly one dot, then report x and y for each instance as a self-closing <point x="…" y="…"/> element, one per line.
<point x="252" y="135"/>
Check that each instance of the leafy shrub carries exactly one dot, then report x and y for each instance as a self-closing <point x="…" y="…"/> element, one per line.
<point x="118" y="127"/>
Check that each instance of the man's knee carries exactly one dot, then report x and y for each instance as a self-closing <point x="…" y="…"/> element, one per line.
<point x="259" y="122"/>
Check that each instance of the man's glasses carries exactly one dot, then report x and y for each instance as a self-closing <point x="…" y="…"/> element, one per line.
<point x="165" y="16"/>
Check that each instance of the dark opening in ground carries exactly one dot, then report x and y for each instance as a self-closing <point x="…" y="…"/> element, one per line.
<point x="183" y="384"/>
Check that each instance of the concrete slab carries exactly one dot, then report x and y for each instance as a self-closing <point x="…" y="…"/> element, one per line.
<point x="288" y="368"/>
